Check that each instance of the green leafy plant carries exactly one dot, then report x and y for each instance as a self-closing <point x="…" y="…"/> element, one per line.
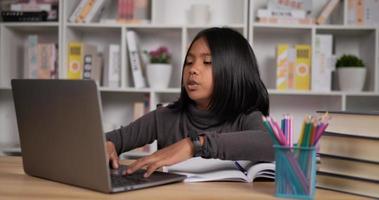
<point x="349" y="61"/>
<point x="160" y="55"/>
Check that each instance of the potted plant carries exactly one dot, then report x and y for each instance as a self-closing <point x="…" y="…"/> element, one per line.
<point x="351" y="73"/>
<point x="159" y="68"/>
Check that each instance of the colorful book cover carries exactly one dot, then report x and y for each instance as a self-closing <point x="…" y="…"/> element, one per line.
<point x="303" y="67"/>
<point x="282" y="66"/>
<point x="31" y="57"/>
<point x="75" y="61"/>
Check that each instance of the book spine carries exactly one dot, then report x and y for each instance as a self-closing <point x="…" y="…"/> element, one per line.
<point x="114" y="66"/>
<point x="371" y="12"/>
<point x="87" y="66"/>
<point x="96" y="69"/>
<point x="330" y="6"/>
<point x="296" y="14"/>
<point x="322" y="66"/>
<point x="75" y="60"/>
<point x="359" y="10"/>
<point x="97" y="8"/>
<point x="135" y="62"/>
<point x="44" y="55"/>
<point x="280" y="20"/>
<point x="30" y="7"/>
<point x="31" y="67"/>
<point x="302" y="69"/>
<point x="86" y="9"/>
<point x="282" y="67"/>
<point x="77" y="10"/>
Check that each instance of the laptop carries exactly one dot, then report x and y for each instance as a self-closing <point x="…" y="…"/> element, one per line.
<point x="62" y="138"/>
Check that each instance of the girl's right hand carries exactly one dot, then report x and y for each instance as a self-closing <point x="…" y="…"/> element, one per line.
<point x="112" y="155"/>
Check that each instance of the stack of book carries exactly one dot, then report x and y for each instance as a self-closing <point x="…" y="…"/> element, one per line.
<point x="128" y="11"/>
<point x="286" y="12"/>
<point x="349" y="158"/>
<point x="293" y="65"/>
<point x="33" y="11"/>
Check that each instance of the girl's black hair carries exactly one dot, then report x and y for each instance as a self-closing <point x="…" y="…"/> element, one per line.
<point x="238" y="87"/>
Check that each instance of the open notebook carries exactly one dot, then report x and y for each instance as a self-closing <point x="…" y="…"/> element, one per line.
<point x="199" y="169"/>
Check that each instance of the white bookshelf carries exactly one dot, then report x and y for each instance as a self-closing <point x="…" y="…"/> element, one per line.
<point x="358" y="40"/>
<point x="169" y="27"/>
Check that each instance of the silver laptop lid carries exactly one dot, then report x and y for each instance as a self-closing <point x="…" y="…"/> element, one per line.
<point x="60" y="129"/>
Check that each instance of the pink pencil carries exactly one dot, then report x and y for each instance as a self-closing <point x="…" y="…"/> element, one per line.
<point x="276" y="131"/>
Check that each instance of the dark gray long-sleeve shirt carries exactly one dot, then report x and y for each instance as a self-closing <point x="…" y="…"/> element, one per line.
<point x="243" y="139"/>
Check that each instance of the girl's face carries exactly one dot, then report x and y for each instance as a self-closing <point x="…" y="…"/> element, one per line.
<point x="197" y="74"/>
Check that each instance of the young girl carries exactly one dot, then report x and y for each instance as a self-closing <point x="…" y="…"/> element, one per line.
<point x="218" y="114"/>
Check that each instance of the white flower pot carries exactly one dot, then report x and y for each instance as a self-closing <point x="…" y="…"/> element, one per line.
<point x="351" y="78"/>
<point x="158" y="75"/>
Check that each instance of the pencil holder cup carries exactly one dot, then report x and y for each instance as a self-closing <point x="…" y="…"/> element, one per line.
<point x="295" y="172"/>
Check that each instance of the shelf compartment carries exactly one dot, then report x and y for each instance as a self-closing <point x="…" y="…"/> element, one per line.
<point x="14" y="38"/>
<point x="152" y="38"/>
<point x="264" y="42"/>
<point x="219" y="11"/>
<point x="100" y="37"/>
<point x="108" y="15"/>
<point x="359" y="42"/>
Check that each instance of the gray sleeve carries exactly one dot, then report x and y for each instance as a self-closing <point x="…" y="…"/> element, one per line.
<point x="253" y="143"/>
<point x="138" y="133"/>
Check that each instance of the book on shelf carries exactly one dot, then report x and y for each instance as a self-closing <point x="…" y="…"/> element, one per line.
<point x="362" y="12"/>
<point x="327" y="11"/>
<point x="199" y="170"/>
<point x="302" y="67"/>
<point x="323" y="64"/>
<point x="112" y="74"/>
<point x="85" y="11"/>
<point x="80" y="53"/>
<point x="281" y="20"/>
<point x="282" y="66"/>
<point x="296" y="14"/>
<point x="363" y="124"/>
<point x="305" y="5"/>
<point x="135" y="59"/>
<point x="92" y="64"/>
<point x="133" y="11"/>
<point x="47" y="61"/>
<point x="346" y="184"/>
<point x="75" y="60"/>
<point x="51" y="7"/>
<point x="96" y="11"/>
<point x="349" y="167"/>
<point x="77" y="11"/>
<point x="293" y="67"/>
<point x="349" y="146"/>
<point x="24" y="16"/>
<point x="40" y="59"/>
<point x="88" y="11"/>
<point x="31" y="55"/>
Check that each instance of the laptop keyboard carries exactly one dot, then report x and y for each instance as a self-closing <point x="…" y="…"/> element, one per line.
<point x="118" y="177"/>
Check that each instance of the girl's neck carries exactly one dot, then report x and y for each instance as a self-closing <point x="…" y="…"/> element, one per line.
<point x="202" y="106"/>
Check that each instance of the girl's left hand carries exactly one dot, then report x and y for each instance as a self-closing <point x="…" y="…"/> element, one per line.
<point x="170" y="155"/>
